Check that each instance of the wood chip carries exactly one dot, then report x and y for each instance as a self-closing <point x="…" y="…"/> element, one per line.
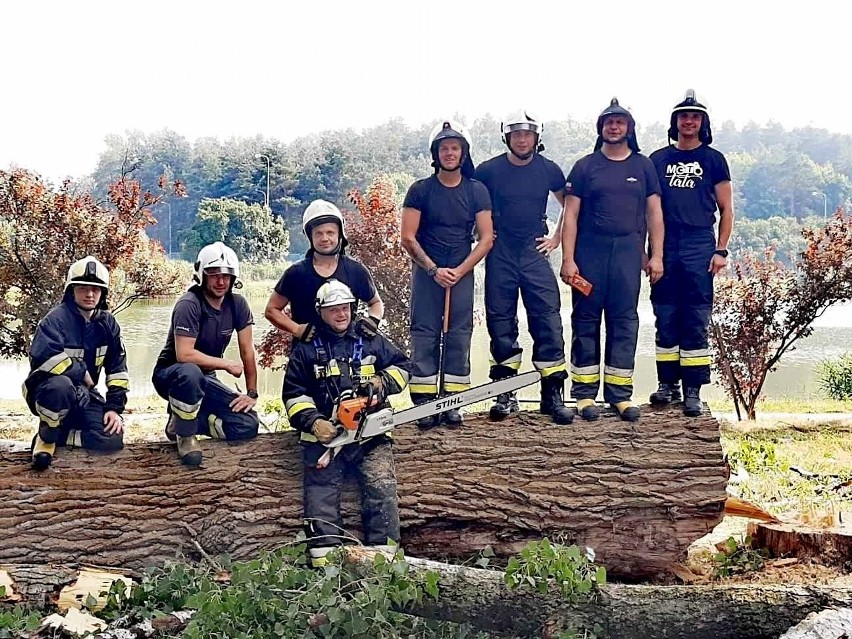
<point x="7" y="583"/>
<point x="90" y="582"/>
<point x="685" y="574"/>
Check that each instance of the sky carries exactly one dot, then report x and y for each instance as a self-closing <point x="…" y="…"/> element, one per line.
<point x="75" y="72"/>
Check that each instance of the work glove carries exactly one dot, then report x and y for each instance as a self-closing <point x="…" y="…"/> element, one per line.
<point x="379" y="390"/>
<point x="324" y="430"/>
<point x="368" y="326"/>
<point x="308" y="333"/>
<point x="81" y="397"/>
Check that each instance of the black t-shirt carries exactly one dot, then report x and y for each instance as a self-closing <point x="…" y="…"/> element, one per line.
<point x="519" y="193"/>
<point x="447" y="215"/>
<point x="614" y="193"/>
<point x="688" y="180"/>
<point x="300" y="284"/>
<point x="212" y="328"/>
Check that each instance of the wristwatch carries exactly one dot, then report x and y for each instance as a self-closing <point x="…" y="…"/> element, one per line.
<point x="252" y="394"/>
<point x="721" y="253"/>
<point x="432" y="271"/>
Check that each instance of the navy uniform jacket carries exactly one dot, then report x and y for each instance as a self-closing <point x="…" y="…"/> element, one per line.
<point x="66" y="344"/>
<point x="311" y="387"/>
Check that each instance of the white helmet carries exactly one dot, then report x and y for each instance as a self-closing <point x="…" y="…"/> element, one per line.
<point x="447" y="129"/>
<point x="321" y="212"/>
<point x="89" y="271"/>
<point x="217" y="256"/>
<point x="333" y="293"/>
<point x="522" y="120"/>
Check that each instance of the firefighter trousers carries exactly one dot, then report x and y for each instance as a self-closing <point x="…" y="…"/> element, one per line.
<point x="613" y="265"/>
<point x="515" y="267"/>
<point x="372" y="464"/>
<point x="202" y="404"/>
<point x="62" y="407"/>
<point x="427" y="316"/>
<point x="683" y="303"/>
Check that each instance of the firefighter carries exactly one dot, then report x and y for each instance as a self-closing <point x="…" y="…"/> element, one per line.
<point x="612" y="200"/>
<point x="325" y="229"/>
<point x="696" y="182"/>
<point x="336" y="364"/>
<point x="73" y="343"/>
<point x="203" y="321"/>
<point x="439" y="216"/>
<point x="519" y="183"/>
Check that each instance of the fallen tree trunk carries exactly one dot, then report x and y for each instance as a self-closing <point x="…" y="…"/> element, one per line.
<point x="481" y="599"/>
<point x="638" y="494"/>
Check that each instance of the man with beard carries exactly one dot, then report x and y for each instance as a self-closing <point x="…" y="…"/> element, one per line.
<point x="203" y="321"/>
<point x="73" y="343"/>
<point x="438" y="218"/>
<point x="519" y="183"/>
<point x="325" y="229"/>
<point x="612" y="200"/>
<point x="695" y="181"/>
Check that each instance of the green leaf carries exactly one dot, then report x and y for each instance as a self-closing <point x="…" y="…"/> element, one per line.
<point x="431" y="586"/>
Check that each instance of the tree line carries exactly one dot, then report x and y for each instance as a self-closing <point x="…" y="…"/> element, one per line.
<point x="795" y="175"/>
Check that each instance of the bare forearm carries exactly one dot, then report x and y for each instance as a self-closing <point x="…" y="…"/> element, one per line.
<point x="279" y="319"/>
<point x="250" y="370"/>
<point x="569" y="236"/>
<point x="413" y="248"/>
<point x="204" y="362"/>
<point x="479" y="251"/>
<point x="726" y="228"/>
<point x="376" y="308"/>
<point x="656" y="232"/>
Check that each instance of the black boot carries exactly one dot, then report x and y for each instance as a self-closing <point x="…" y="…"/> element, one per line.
<point x="452" y="418"/>
<point x="666" y="394"/>
<point x="428" y="423"/>
<point x="425" y="423"/>
<point x="552" y="402"/>
<point x="505" y="405"/>
<point x="692" y="404"/>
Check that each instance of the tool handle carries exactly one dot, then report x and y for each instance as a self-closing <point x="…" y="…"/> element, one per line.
<point x="446" y="325"/>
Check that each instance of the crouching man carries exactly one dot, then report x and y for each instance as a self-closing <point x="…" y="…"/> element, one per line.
<point x="338" y="363"/>
<point x="73" y="343"/>
<point x="203" y="321"/>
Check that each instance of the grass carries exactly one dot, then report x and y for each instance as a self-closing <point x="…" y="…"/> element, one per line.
<point x="804" y="405"/>
<point x="792" y="471"/>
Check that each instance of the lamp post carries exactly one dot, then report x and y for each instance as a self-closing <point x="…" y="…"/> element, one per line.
<point x="824" y="205"/>
<point x="169" y="204"/>
<point x="257" y="156"/>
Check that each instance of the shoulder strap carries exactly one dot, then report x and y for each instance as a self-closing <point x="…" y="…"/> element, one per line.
<point x="204" y="313"/>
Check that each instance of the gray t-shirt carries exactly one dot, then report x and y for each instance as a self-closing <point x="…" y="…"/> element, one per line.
<point x="212" y="328"/>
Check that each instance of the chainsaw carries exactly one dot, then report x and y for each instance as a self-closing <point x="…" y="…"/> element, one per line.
<point x="359" y="418"/>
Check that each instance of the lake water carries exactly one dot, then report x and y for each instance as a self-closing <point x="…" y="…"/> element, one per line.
<point x="144" y="326"/>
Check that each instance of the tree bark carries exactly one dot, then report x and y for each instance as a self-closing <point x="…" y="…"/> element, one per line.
<point x="638" y="494"/>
